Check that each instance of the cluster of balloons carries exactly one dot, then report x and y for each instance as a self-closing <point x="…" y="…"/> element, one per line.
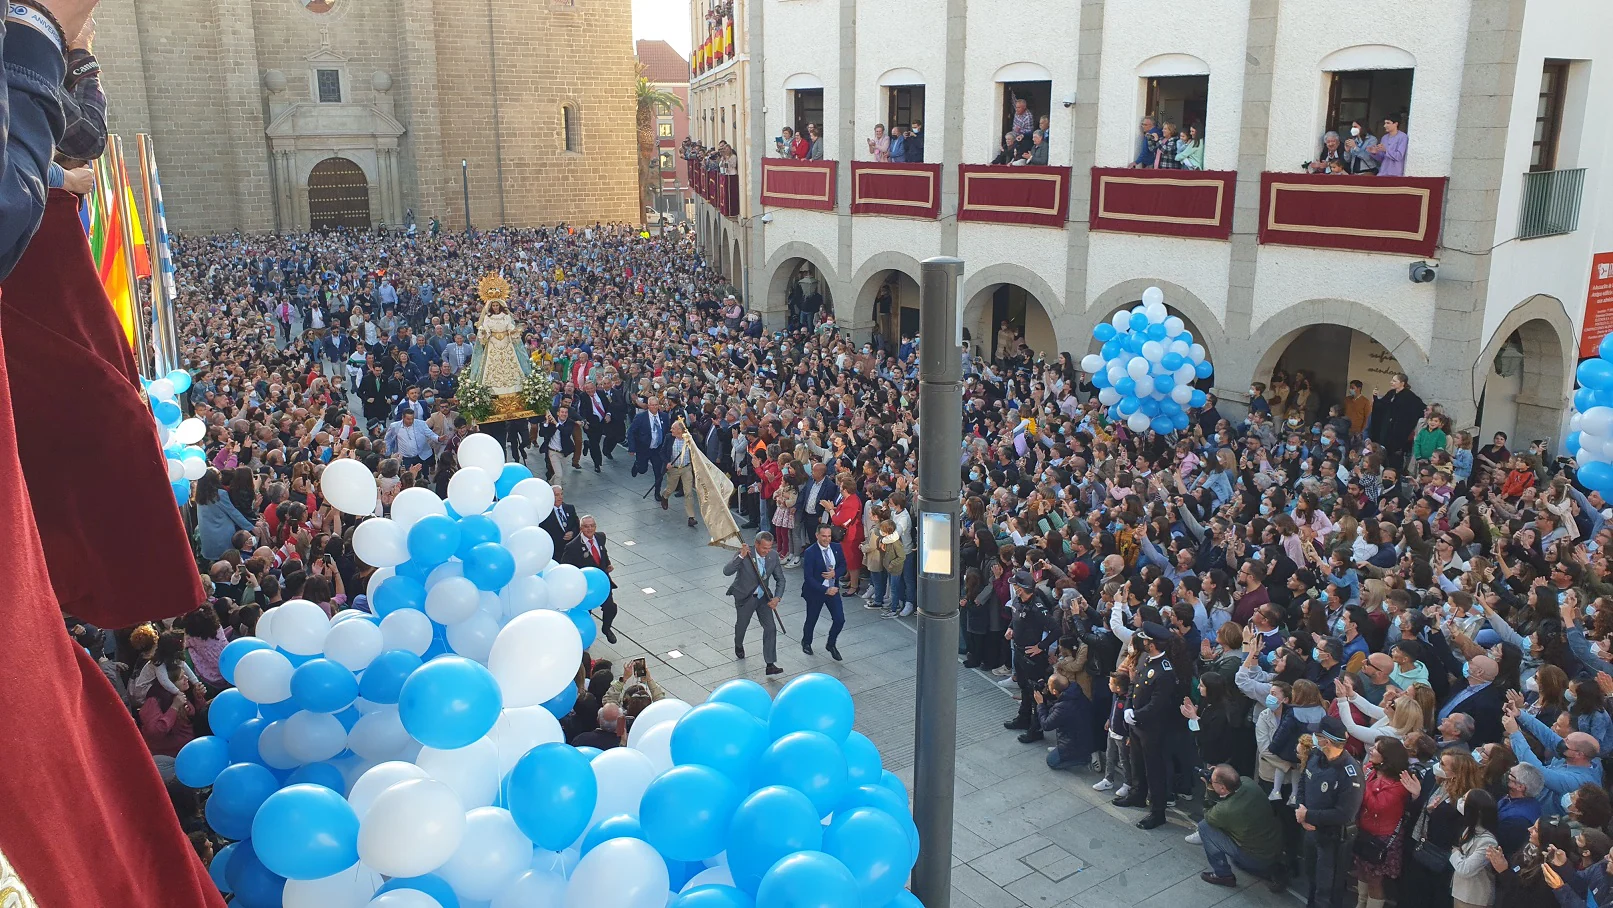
<point x="1146" y="371"/>
<point x="413" y="758"/>
<point x="1590" y="428"/>
<point x="180" y="437"/>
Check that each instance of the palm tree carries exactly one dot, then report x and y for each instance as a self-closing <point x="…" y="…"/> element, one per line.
<point x="651" y="101"/>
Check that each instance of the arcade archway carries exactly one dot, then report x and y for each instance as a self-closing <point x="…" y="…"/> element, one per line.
<point x="1002" y="320"/>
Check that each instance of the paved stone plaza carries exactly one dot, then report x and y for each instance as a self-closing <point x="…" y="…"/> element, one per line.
<point x="1024" y="835"/>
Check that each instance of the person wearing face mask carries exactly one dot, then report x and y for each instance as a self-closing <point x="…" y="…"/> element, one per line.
<point x="1577" y="759"/>
<point x="1330" y="795"/>
<point x="1359" y="161"/>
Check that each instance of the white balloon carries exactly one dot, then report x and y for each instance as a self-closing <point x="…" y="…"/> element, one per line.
<point x="301" y="628"/>
<point x="1153" y="350"/>
<point x="515" y="513"/>
<point x="408" y="629"/>
<point x="535" y="656"/>
<point x="160" y="389"/>
<point x="272" y="747"/>
<point x="379" y="542"/>
<point x="525" y="594"/>
<point x="539" y="492"/>
<point x="1156" y="313"/>
<point x="353" y="643"/>
<point x="531" y="547"/>
<point x="1108" y="397"/>
<point x="619" y="873"/>
<point x="1145" y="386"/>
<point x="411" y="828"/>
<point x="482" y="451"/>
<point x="453" y="567"/>
<point x="1137" y="422"/>
<point x="314" y="737"/>
<point x="534" y="887"/>
<point x="350" y="888"/>
<point x="349" y="486"/>
<point x="1117" y="371"/>
<point x="1574" y="421"/>
<point x="195" y="468"/>
<point x="470" y="491"/>
<point x="471" y="771"/>
<point x="413" y="504"/>
<point x="1137" y="367"/>
<point x="380" y="575"/>
<point x="1174" y="326"/>
<point x="473" y="637"/>
<point x="719" y="875"/>
<point x="379" y="778"/>
<point x="489" y="604"/>
<point x="379" y="735"/>
<point x="404" y="898"/>
<point x="622" y="774"/>
<point x="567" y="586"/>
<point x="657" y="745"/>
<point x="1185" y="375"/>
<point x="1596" y="421"/>
<point x="1153" y="296"/>
<point x="452" y="600"/>
<point x="519" y="730"/>
<point x="365" y="707"/>
<point x="1182" y="394"/>
<point x="190" y="431"/>
<point x="264" y="630"/>
<point x="1196" y="353"/>
<point x="264" y="675"/>
<point x="176" y="470"/>
<point x="491" y="855"/>
<point x="1091" y="363"/>
<point x="1178" y="347"/>
<point x="668" y="710"/>
<point x="1121" y="321"/>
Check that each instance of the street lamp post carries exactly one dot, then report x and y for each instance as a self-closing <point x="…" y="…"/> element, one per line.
<point x="940" y="438"/>
<point x="464" y="182"/>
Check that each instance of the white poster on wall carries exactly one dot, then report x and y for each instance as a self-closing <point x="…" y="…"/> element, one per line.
<point x="1371" y="363"/>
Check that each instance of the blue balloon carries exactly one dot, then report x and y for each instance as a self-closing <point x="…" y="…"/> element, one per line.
<point x="1198" y="399"/>
<point x="585" y="625"/>
<point x="810" y="879"/>
<point x="508" y="476"/>
<point x="1203" y="370"/>
<point x="1135" y="341"/>
<point x="490" y="566"/>
<point x="228" y="710"/>
<point x="431" y="884"/>
<point x="589" y="752"/>
<point x="349" y="717"/>
<point x="863" y="765"/>
<point x="1596" y="373"/>
<point x="891" y="781"/>
<point x="1155" y="331"/>
<point x="276" y="711"/>
<point x="1148" y="407"/>
<point x="1173" y="361"/>
<point x="1112" y="350"/>
<point x="722" y="736"/>
<point x="167" y="412"/>
<point x="874" y="847"/>
<point x="475" y="530"/>
<point x="1164" y="383"/>
<point x="716" y="895"/>
<point x="1571" y="443"/>
<point x="905" y="899"/>
<point x="181" y="489"/>
<point x="681" y="872"/>
<point x="560" y="704"/>
<point x="889" y="802"/>
<point x="399" y="592"/>
<point x="1605" y="348"/>
<point x="323" y="686"/>
<point x="201" y="760"/>
<point x="449" y="702"/>
<point x="383" y="680"/>
<point x="181" y="380"/>
<point x="1103" y="331"/>
<point x="598" y="587"/>
<point x="414" y="570"/>
<point x="1185" y="337"/>
<point x="745" y="694"/>
<point x="686" y="810"/>
<point x="772" y="822"/>
<point x="1100" y="379"/>
<point x="1168" y="407"/>
<point x="1128" y="405"/>
<point x="1585" y="398"/>
<point x="1139" y="321"/>
<point x="219" y="869"/>
<point x="812" y="702"/>
<point x="304" y="832"/>
<point x="238" y="792"/>
<point x="808" y="761"/>
<point x="254" y="885"/>
<point x="432" y="540"/>
<point x="551" y="793"/>
<point x="1126" y="386"/>
<point x="1596" y="474"/>
<point x="620" y="826"/>
<point x="244" y="742"/>
<point x="325" y="774"/>
<point x="230" y="656"/>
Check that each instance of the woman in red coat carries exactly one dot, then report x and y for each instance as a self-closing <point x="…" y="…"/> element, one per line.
<point x="848" y="516"/>
<point x="1379" y="848"/>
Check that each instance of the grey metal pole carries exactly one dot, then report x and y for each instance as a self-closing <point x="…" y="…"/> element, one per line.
<point x="940" y="437"/>
<point x="464" y="181"/>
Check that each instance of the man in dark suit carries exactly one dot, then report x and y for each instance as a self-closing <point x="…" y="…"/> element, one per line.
<point x="1475" y="695"/>
<point x="758" y="585"/>
<point x="595" y="417"/>
<point x="823" y="566"/>
<point x="587" y="549"/>
<point x="375" y="392"/>
<point x="650" y="440"/>
<point x="619" y="409"/>
<point x="809" y="510"/>
<point x="561" y="524"/>
<point x="607" y="735"/>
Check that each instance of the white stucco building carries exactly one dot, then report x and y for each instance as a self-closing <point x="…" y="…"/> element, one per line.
<point x="1505" y="192"/>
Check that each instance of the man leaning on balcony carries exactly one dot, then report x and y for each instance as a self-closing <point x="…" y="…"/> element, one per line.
<point x="1147" y="144"/>
<point x="1390" y="152"/>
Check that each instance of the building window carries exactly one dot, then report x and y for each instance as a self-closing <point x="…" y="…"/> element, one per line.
<point x="904" y="105"/>
<point x="666" y="161"/>
<point x="1367" y="97"/>
<point x="1038" y="98"/>
<point x="807" y="106"/>
<point x="666" y="130"/>
<point x="573" y="130"/>
<point x="1177" y="99"/>
<point x="1549" y="115"/>
<point x="330" y="85"/>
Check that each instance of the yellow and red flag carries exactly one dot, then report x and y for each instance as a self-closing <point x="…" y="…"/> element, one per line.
<point x="106" y="208"/>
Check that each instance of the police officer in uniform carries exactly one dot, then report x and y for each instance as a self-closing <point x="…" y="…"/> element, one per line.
<point x="1155" y="715"/>
<point x="1329" y="799"/>
<point x="1032" y="632"/>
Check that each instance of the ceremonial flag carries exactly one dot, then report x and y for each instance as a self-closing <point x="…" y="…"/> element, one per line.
<point x="713" y="489"/>
<point x="108" y="205"/>
<point x="159" y="226"/>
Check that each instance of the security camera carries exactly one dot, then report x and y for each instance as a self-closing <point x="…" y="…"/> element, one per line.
<point x="767" y="219"/>
<point x="1069" y="99"/>
<point x="1423" y="273"/>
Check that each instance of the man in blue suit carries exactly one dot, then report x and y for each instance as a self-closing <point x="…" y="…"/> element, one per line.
<point x="823" y="566"/>
<point x="651" y="442"/>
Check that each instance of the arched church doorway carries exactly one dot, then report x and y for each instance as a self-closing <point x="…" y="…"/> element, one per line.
<point x="338" y="196"/>
<point x="1325" y="359"/>
<point x="1003" y="319"/>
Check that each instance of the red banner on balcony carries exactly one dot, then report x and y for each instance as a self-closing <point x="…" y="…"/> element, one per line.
<point x="1188" y="203"/>
<point x="904" y="190"/>
<point x="1399" y="215"/>
<point x="787" y="183"/>
<point x="1013" y="195"/>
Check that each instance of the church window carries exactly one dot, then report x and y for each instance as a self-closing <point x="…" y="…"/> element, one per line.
<point x="573" y="130"/>
<point x="330" y="86"/>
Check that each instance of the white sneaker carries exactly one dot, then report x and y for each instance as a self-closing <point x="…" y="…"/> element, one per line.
<point x="907" y="610"/>
<point x="1102" y="785"/>
<point x="1123" y="791"/>
<point x="1008" y="682"/>
<point x="1193" y="838"/>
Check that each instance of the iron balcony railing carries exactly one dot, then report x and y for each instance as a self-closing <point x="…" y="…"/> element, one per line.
<point x="1550" y="203"/>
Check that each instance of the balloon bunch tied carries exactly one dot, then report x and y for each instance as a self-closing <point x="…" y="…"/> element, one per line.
<point x="414" y="758"/>
<point x="1146" y="370"/>
<point x="180" y="437"/>
<point x="1590" y="428"/>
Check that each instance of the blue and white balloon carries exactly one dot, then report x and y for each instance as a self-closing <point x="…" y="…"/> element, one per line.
<point x="1148" y="363"/>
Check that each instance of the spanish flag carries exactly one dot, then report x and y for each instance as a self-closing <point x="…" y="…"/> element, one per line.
<point x="107" y="206"/>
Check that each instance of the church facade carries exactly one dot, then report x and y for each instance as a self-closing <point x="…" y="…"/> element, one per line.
<point x="287" y="115"/>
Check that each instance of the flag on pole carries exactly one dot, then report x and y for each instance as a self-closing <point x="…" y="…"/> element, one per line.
<point x="713" y="488"/>
<point x="159" y="226"/>
<point x="107" y="205"/>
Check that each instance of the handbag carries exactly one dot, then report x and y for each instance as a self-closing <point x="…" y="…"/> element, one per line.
<point x="1373" y="849"/>
<point x="837" y="533"/>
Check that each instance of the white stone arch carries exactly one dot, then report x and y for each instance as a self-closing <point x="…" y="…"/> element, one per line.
<point x="1022" y="71"/>
<point x="979" y="290"/>
<point x="1200" y="319"/>
<point x="1255" y="359"/>
<point x="782" y="266"/>
<point x="865" y="283"/>
<point x="1166" y="65"/>
<point x="1368" y="56"/>
<point x="800" y="81"/>
<point x="1546" y="334"/>
<point x="901" y="75"/>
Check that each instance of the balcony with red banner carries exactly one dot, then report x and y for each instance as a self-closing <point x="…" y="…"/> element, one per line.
<point x="1013" y="195"/>
<point x="788" y="183"/>
<point x="721" y="190"/>
<point x="1185" y="203"/>
<point x="896" y="189"/>
<point x="1398" y="215"/>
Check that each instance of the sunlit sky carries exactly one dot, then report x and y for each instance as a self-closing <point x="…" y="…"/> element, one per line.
<point x="667" y="20"/>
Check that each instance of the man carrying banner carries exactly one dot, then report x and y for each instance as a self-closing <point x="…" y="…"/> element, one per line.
<point x="710" y="485"/>
<point x="680" y="472"/>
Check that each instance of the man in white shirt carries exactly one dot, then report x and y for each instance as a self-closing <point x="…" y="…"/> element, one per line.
<point x="411" y="440"/>
<point x="680" y="473"/>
